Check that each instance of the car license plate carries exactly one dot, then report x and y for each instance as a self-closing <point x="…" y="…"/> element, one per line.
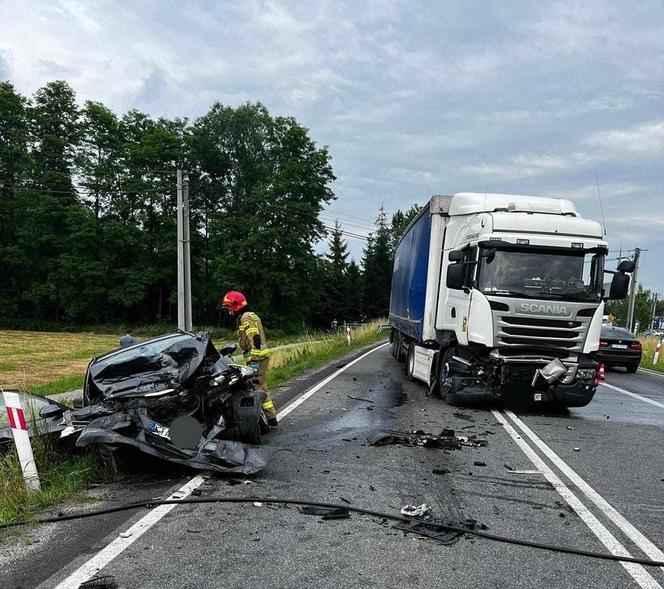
<point x="619" y="346"/>
<point x="160" y="430"/>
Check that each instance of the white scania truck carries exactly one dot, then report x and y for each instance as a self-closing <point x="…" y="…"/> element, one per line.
<point x="502" y="293"/>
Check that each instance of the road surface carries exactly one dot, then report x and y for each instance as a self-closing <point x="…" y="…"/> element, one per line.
<point x="590" y="478"/>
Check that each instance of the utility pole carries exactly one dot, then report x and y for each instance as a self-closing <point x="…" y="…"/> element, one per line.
<point x="654" y="310"/>
<point x="632" y="290"/>
<point x="184" y="268"/>
<point x="187" y="254"/>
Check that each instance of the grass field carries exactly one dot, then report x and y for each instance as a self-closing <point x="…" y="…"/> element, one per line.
<point x="649" y="344"/>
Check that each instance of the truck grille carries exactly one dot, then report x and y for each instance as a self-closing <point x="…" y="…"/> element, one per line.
<point x="565" y="334"/>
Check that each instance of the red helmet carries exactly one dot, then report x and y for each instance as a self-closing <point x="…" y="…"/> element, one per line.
<point x="234" y="300"/>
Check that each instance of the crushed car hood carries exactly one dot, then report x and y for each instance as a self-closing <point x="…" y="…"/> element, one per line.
<point x="141" y="370"/>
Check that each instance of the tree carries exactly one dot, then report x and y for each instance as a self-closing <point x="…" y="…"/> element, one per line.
<point x="642" y="309"/>
<point x="377" y="265"/>
<point x="14" y="164"/>
<point x="265" y="181"/>
<point x="400" y="222"/>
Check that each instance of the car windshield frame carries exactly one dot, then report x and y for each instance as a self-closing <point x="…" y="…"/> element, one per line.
<point x="545" y="260"/>
<point x="142" y="349"/>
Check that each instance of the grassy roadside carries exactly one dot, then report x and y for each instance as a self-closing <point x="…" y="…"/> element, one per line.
<point x="63" y="474"/>
<point x="649" y="344"/>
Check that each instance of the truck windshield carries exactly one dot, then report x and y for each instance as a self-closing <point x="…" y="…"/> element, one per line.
<point x="541" y="274"/>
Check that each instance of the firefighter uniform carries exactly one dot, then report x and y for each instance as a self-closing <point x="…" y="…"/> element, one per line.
<point x="254" y="345"/>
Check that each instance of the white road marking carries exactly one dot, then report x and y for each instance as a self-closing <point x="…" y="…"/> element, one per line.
<point x="617" y="518"/>
<point x="637" y="571"/>
<point x="650" y="371"/>
<point x="122" y="542"/>
<point x="90" y="568"/>
<point x="640" y="397"/>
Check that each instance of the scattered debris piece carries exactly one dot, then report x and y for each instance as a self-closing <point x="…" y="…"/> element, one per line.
<point x="479" y="463"/>
<point x="508" y="467"/>
<point x="355" y="378"/>
<point x="430" y="530"/>
<point x="345" y="500"/>
<point x="102" y="582"/>
<point x="445" y="440"/>
<point x="577" y="449"/>
<point x="258" y="504"/>
<point x="125" y="534"/>
<point x="471" y="524"/>
<point x="463" y="416"/>
<point x="415" y="510"/>
<point x="372" y="488"/>
<point x="439" y="471"/>
<point x="569" y="427"/>
<point x="197" y="492"/>
<point x="360" y="399"/>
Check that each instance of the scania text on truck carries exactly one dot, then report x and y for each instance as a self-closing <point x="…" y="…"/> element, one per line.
<point x="504" y="294"/>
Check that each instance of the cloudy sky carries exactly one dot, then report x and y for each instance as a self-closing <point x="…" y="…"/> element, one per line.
<point x="413" y="98"/>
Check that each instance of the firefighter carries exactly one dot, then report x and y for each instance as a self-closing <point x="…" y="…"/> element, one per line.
<point x="253" y="344"/>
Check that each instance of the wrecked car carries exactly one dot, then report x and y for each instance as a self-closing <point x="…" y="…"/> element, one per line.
<point x="176" y="398"/>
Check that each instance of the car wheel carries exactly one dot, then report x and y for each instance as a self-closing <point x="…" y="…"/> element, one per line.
<point x="254" y="437"/>
<point x="632" y="368"/>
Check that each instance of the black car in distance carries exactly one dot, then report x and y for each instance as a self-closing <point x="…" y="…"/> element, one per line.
<point x="619" y="347"/>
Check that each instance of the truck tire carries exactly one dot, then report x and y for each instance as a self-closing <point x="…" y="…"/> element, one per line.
<point x="446" y="386"/>
<point x="409" y="366"/>
<point x="397" y="347"/>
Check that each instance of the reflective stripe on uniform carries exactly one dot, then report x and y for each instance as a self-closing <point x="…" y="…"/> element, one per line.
<point x="268" y="404"/>
<point x="260" y="353"/>
<point x="251" y="331"/>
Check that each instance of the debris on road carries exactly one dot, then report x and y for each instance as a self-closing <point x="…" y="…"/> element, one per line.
<point x="440" y="471"/>
<point x="360" y="399"/>
<point x="327" y="513"/>
<point x="445" y="440"/>
<point x="257" y="504"/>
<point x="102" y="582"/>
<point x="479" y="463"/>
<point x="577" y="449"/>
<point x="415" y="510"/>
<point x="569" y="427"/>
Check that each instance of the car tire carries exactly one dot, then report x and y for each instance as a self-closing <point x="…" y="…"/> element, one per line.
<point x="632" y="368"/>
<point x="254" y="437"/>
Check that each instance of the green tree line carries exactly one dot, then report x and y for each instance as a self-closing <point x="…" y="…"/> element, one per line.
<point x="88" y="223"/>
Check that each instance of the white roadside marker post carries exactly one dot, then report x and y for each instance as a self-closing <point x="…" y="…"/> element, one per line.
<point x="348" y="334"/>
<point x="19" y="427"/>
<point x="657" y="348"/>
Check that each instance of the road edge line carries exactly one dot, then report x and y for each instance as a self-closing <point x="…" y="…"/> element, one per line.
<point x="603" y="534"/>
<point x="635" y="395"/>
<point x="645" y="545"/>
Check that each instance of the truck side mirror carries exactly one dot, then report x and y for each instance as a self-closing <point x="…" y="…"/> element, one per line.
<point x="456" y="256"/>
<point x="619" y="286"/>
<point x="455" y="275"/>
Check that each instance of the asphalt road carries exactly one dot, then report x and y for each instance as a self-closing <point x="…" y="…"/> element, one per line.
<point x="590" y="478"/>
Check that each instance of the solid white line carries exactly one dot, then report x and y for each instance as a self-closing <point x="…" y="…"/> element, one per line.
<point x="617" y="518"/>
<point x="313" y="390"/>
<point x="651" y="371"/>
<point x="121" y="543"/>
<point x="637" y="571"/>
<point x="641" y="398"/>
<point x="90" y="568"/>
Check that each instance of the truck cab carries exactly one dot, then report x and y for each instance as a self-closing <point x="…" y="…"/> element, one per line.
<point x="514" y="290"/>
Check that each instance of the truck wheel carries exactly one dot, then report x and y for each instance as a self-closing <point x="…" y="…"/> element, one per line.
<point x="446" y="385"/>
<point x="410" y="362"/>
<point x="396" y="347"/>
